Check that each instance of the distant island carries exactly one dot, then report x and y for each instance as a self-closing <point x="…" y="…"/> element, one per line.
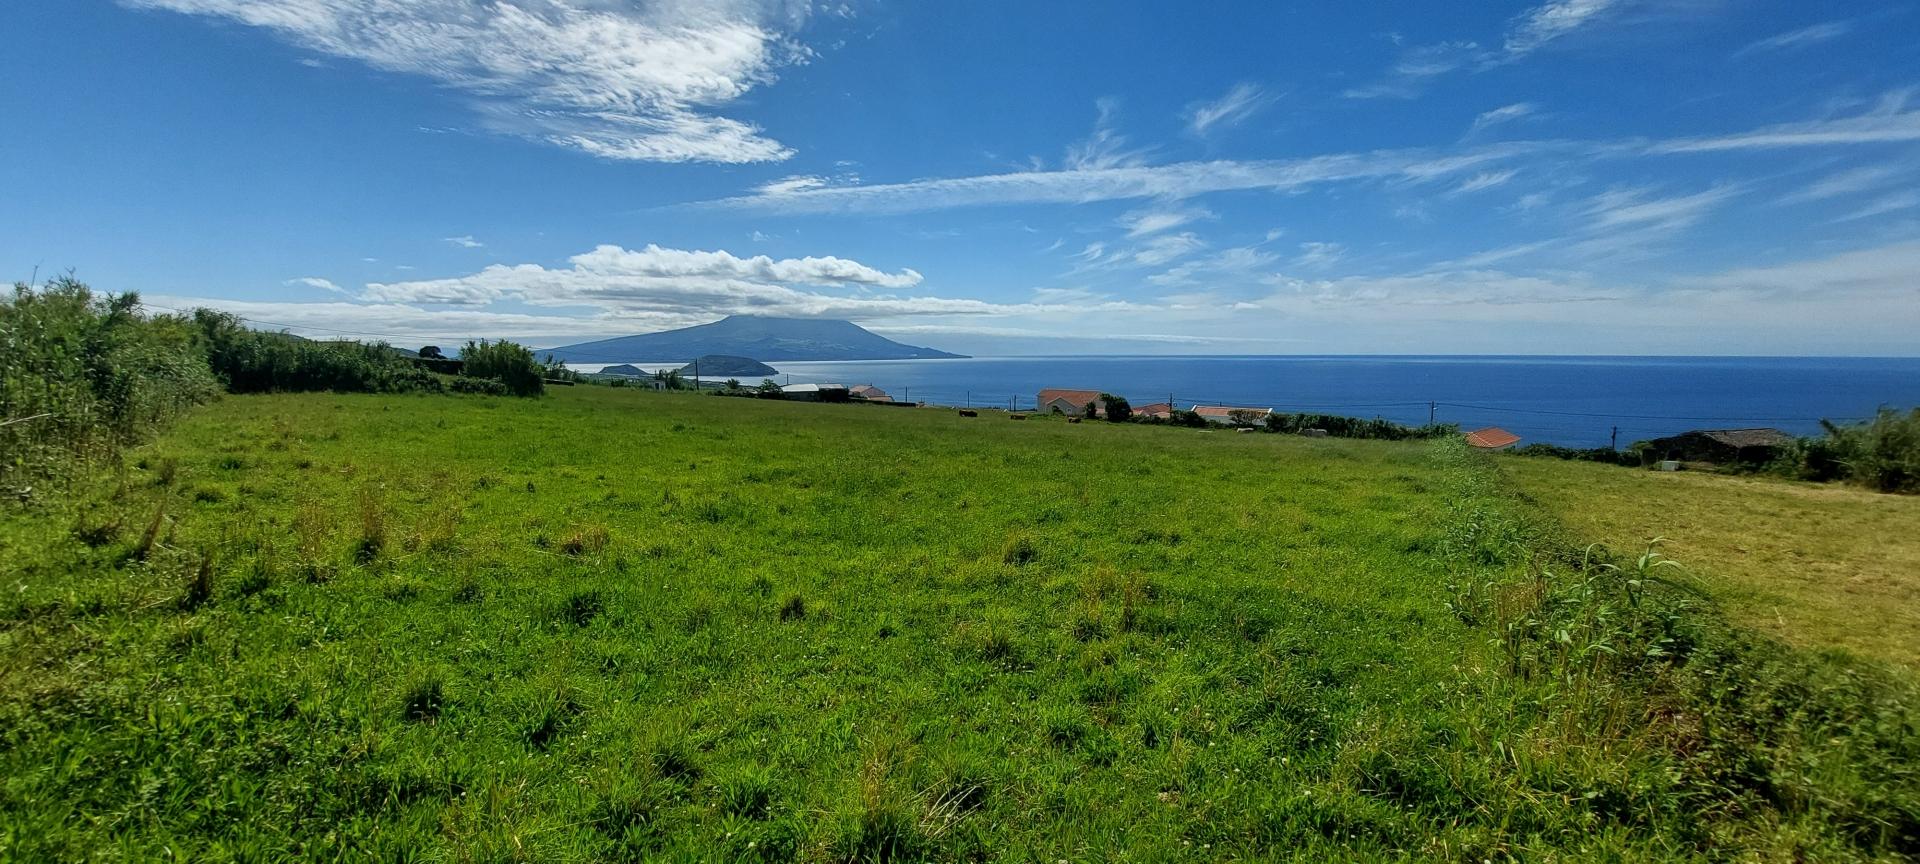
<point x="727" y="365"/>
<point x="623" y="369"/>
<point x="764" y="339"/>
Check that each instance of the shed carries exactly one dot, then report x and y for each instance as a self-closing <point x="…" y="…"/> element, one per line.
<point x="869" y="393"/>
<point x="1718" y="446"/>
<point x="1492" y="438"/>
<point x="816" y="392"/>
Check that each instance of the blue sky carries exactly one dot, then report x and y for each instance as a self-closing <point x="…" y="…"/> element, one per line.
<point x="1568" y="176"/>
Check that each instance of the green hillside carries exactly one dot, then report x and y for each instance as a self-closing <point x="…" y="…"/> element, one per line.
<point x="620" y="625"/>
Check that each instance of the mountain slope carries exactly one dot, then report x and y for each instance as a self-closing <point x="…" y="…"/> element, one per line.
<point x="764" y="339"/>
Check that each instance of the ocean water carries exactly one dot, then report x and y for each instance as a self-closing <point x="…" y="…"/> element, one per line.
<point x="1574" y="401"/>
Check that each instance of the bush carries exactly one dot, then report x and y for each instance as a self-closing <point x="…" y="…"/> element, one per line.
<point x="83" y="375"/>
<point x="1882" y="453"/>
<point x="509" y="363"/>
<point x="253" y="361"/>
<point x="485" y="386"/>
<point x="1354" y="427"/>
<point x="1118" y="411"/>
<point x="1630" y="456"/>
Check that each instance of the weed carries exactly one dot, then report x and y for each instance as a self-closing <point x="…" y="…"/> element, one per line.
<point x="373" y="528"/>
<point x="424" y="699"/>
<point x="748" y="793"/>
<point x="581" y="607"/>
<point x="585" y="540"/>
<point x="793" y="608"/>
<point x="199" y="587"/>
<point x="1019" y="550"/>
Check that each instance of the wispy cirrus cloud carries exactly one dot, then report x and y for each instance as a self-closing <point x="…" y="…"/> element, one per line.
<point x="619" y="81"/>
<point x="1536" y="27"/>
<point x="1501" y="115"/>
<point x="1172" y="182"/>
<point x="1417" y="67"/>
<point x="1231" y="109"/>
<point x="464" y="241"/>
<point x="317" y="283"/>
<point x="1889" y="122"/>
<point x="1823" y="32"/>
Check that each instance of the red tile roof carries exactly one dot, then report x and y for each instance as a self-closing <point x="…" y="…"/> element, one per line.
<point x="1157" y="409"/>
<point x="1492" y="438"/>
<point x="1079" y="398"/>
<point x="1227" y="410"/>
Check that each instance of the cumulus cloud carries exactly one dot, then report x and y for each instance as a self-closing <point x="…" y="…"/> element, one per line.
<point x="619" y="81"/>
<point x="672" y="280"/>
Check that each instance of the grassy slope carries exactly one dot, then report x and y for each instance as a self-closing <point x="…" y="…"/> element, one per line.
<point x="813" y="631"/>
<point x="1815" y="565"/>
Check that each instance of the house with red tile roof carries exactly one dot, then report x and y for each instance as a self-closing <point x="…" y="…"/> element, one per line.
<point x="1157" y="410"/>
<point x="1072" y="403"/>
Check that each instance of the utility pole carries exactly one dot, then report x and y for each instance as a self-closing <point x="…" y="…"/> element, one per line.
<point x="1614" y="442"/>
<point x="696" y="374"/>
<point x="1433" y="408"/>
<point x="1010" y="403"/>
<point x="969" y="398"/>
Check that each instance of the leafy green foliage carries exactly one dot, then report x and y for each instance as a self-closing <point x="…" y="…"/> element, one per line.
<point x="509" y="363"/>
<point x="1354" y="427"/>
<point x="1881" y="454"/>
<point x="253" y="361"/>
<point x="82" y="375"/>
<point x="1117" y="409"/>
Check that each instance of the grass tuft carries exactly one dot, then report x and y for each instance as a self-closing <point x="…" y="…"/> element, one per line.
<point x="424" y="699"/>
<point x="793" y="608"/>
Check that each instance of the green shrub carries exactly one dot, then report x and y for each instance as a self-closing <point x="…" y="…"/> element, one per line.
<point x="1118" y="411"/>
<point x="509" y="363"/>
<point x="254" y="361"/>
<point x="1354" y="427"/>
<point x="1882" y="453"/>
<point x="82" y="375"/>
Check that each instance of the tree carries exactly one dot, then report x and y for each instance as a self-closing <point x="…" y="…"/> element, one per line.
<point x="431" y="352"/>
<point x="509" y="363"/>
<point x="770" y="389"/>
<point x="1118" y="411"/>
<point x="1243" y="416"/>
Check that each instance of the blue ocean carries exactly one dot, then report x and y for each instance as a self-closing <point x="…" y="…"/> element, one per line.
<point x="1573" y="401"/>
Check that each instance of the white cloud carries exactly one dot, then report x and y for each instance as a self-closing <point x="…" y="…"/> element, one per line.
<point x="1484" y="180"/>
<point x="1888" y="123"/>
<point x="1542" y="24"/>
<point x="1231" y="109"/>
<point x="1319" y="256"/>
<point x="465" y="241"/>
<point x="1503" y="114"/>
<point x="1140" y="223"/>
<point x="655" y="278"/>
<point x="1417" y="67"/>
<point x="1631" y="207"/>
<point x="615" y="80"/>
<point x="1823" y="32"/>
<point x="317" y="282"/>
<point x="1172" y="182"/>
<point x="1105" y="148"/>
<point x="1854" y="180"/>
<point x="1894" y="203"/>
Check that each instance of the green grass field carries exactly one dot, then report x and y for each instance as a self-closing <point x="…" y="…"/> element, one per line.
<point x="612" y="625"/>
<point x="1816" y="565"/>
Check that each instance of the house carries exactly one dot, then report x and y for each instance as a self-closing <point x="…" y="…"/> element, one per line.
<point x="869" y="393"/>
<point x="1718" y="446"/>
<point x="1228" y="415"/>
<point x="1072" y="403"/>
<point x="1158" y="410"/>
<point x="1492" y="438"/>
<point x="816" y="392"/>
